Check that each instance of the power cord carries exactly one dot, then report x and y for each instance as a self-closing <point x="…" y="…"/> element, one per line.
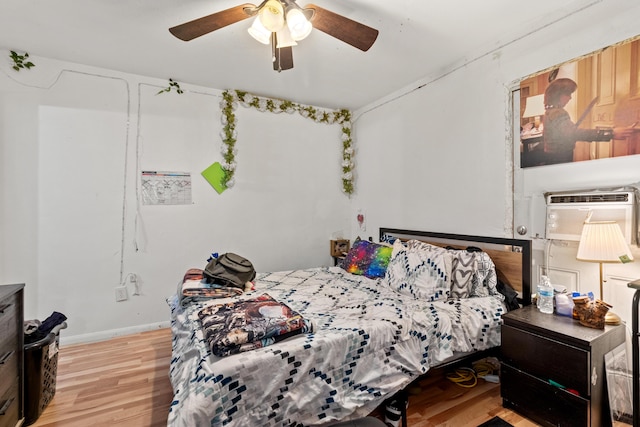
<point x="483" y="368"/>
<point x="468" y="377"/>
<point x="464" y="377"/>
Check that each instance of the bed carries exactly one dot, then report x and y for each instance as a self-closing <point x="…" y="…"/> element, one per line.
<point x="360" y="335"/>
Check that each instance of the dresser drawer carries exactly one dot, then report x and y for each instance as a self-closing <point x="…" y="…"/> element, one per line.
<point x="540" y="401"/>
<point x="8" y="369"/>
<point x="10" y="406"/>
<point x="9" y="321"/>
<point x="547" y="359"/>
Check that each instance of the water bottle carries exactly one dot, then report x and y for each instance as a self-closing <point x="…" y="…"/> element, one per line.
<point x="545" y="295"/>
<point x="543" y="280"/>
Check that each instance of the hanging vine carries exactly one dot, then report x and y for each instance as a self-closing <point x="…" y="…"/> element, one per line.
<point x="172" y="85"/>
<point x="229" y="103"/>
<point x="20" y="61"/>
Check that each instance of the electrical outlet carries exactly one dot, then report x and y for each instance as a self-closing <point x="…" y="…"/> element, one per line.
<point x="121" y="293"/>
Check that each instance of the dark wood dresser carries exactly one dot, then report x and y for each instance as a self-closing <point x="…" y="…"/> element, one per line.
<point x="11" y="355"/>
<point x="553" y="368"/>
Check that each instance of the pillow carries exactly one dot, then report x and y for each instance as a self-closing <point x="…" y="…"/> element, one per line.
<point x="420" y="270"/>
<point x="463" y="270"/>
<point x="367" y="259"/>
<point x="485" y="281"/>
<point x="473" y="274"/>
<point x="388" y="238"/>
<point x="397" y="247"/>
<point x="424" y="246"/>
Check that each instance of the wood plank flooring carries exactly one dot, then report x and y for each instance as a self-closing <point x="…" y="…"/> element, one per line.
<point x="124" y="382"/>
<point x="120" y="382"/>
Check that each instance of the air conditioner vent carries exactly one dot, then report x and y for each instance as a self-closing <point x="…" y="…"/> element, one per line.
<point x="589" y="198"/>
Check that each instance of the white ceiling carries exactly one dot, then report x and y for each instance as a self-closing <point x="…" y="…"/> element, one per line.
<point x="418" y="39"/>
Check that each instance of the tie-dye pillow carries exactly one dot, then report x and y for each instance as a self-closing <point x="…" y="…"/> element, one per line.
<point x="367" y="259"/>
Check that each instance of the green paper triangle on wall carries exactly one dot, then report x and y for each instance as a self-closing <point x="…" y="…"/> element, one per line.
<point x="215" y="176"/>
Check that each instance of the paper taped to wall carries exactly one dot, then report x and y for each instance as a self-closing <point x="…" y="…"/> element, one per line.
<point x="166" y="188"/>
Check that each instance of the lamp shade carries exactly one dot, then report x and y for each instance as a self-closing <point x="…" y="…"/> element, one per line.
<point x="534" y="106"/>
<point x="298" y="24"/>
<point x="272" y="15"/>
<point x="259" y="32"/>
<point x="602" y="241"/>
<point x="284" y="39"/>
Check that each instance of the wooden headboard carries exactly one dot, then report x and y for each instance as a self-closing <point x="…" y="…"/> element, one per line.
<point x="512" y="257"/>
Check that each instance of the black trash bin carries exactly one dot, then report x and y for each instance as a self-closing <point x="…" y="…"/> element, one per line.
<point x="40" y="371"/>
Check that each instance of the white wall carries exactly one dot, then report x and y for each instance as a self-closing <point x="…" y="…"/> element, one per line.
<point x="74" y="140"/>
<point x="434" y="156"/>
<point x="437" y="155"/>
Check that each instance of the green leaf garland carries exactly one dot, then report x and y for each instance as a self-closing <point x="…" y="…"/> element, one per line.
<point x="172" y="85"/>
<point x="20" y="61"/>
<point x="230" y="101"/>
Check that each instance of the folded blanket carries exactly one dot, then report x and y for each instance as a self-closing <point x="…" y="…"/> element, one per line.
<point x="195" y="288"/>
<point x="250" y="324"/>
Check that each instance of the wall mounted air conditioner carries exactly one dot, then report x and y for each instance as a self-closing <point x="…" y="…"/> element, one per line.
<point x="566" y="212"/>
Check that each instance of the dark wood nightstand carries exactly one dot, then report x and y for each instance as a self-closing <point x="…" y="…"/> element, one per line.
<point x="553" y="368"/>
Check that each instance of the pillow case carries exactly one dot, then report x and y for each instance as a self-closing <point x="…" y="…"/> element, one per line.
<point x="463" y="271"/>
<point x="420" y="270"/>
<point x="473" y="274"/>
<point x="485" y="281"/>
<point x="367" y="259"/>
<point x="388" y="238"/>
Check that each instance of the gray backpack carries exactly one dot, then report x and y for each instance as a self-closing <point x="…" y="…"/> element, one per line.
<point x="230" y="270"/>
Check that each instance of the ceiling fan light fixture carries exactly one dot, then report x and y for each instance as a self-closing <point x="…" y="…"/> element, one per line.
<point x="272" y="15"/>
<point x="298" y="24"/>
<point x="259" y="32"/>
<point x="284" y="39"/>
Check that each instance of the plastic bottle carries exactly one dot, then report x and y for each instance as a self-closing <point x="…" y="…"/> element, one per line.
<point x="545" y="295"/>
<point x="543" y="280"/>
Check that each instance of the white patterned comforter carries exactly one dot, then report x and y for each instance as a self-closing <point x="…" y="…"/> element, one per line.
<point x="369" y="342"/>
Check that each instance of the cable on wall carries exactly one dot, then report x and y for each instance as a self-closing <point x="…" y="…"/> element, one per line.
<point x="137" y="221"/>
<point x="127" y="128"/>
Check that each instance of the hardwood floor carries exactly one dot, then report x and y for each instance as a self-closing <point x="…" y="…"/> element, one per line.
<point x="120" y="382"/>
<point x="124" y="382"/>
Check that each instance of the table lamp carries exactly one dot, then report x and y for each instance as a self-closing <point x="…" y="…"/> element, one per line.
<point x="602" y="241"/>
<point x="534" y="107"/>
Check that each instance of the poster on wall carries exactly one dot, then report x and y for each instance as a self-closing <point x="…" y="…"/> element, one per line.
<point x="584" y="109"/>
<point x="166" y="188"/>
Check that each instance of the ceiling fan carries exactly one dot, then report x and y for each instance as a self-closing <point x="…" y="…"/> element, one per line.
<point x="281" y="23"/>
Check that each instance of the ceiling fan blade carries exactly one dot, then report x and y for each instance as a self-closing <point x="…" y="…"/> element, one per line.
<point x="283" y="58"/>
<point x="349" y="31"/>
<point x="201" y="26"/>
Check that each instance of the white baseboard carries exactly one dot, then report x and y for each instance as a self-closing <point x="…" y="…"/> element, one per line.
<point x="112" y="333"/>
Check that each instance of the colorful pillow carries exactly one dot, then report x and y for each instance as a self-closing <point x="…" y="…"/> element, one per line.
<point x="420" y="270"/>
<point x="367" y="259"/>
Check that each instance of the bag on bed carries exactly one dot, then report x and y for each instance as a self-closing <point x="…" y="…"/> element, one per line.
<point x="230" y="270"/>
